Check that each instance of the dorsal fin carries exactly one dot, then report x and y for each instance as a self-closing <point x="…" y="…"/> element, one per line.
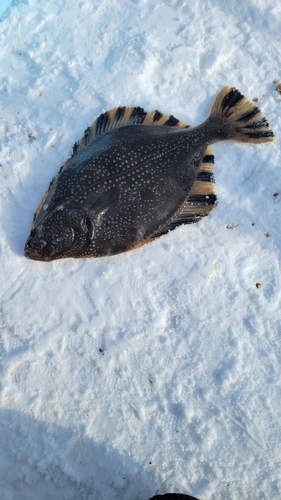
<point x="200" y="201"/>
<point x="112" y="119"/>
<point x="121" y="117"/>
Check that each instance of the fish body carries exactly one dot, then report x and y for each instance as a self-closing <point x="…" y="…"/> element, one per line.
<point x="134" y="176"/>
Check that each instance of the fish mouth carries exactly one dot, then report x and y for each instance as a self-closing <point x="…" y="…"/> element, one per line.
<point x="32" y="253"/>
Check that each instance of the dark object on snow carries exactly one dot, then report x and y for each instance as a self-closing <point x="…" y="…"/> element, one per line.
<point x="134" y="176"/>
<point x="173" y="496"/>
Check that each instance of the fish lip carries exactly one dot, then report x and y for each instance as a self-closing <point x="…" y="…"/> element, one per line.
<point x="33" y="255"/>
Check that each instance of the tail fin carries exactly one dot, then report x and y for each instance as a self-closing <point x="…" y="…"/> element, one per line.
<point x="244" y="120"/>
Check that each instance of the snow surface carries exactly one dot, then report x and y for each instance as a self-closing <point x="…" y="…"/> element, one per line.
<point x="159" y="369"/>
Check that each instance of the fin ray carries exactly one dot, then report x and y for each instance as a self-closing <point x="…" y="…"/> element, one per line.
<point x="242" y="120"/>
<point x="121" y="117"/>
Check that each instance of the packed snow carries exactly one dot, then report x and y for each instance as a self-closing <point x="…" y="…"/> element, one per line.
<point x="157" y="370"/>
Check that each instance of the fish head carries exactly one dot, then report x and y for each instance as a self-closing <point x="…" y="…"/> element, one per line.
<point x="65" y="232"/>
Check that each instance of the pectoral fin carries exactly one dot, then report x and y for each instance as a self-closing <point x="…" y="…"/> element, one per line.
<point x="105" y="201"/>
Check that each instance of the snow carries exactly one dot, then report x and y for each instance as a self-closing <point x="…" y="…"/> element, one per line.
<point x="160" y="369"/>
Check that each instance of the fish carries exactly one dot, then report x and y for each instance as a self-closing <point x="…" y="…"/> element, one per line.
<point x="134" y="176"/>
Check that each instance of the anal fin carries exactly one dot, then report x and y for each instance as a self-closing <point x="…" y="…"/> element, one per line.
<point x="200" y="201"/>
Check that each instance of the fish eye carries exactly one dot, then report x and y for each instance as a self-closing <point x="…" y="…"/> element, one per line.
<point x="39" y="244"/>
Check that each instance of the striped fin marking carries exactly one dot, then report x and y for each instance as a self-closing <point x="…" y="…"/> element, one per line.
<point x="112" y="119"/>
<point x="202" y="198"/>
<point x="122" y="116"/>
<point x="160" y="120"/>
<point x="245" y="121"/>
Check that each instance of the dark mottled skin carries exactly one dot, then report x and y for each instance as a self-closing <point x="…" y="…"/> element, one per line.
<point x="118" y="191"/>
<point x="126" y="186"/>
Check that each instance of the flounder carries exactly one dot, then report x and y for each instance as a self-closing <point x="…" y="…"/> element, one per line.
<point x="134" y="176"/>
